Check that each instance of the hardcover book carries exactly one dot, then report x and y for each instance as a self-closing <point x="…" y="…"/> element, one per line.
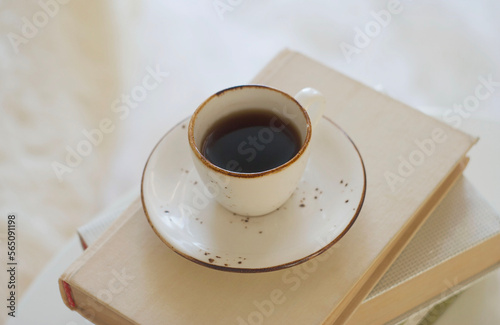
<point x="128" y="276"/>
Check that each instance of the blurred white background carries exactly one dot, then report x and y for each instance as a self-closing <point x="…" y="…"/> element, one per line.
<point x="67" y="66"/>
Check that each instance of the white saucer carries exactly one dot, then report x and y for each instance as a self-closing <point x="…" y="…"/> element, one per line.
<point x="321" y="210"/>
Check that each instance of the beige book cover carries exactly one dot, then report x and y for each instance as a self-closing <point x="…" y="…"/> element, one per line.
<point x="459" y="243"/>
<point x="411" y="161"/>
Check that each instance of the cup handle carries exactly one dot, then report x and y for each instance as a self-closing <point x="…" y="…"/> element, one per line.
<point x="313" y="102"/>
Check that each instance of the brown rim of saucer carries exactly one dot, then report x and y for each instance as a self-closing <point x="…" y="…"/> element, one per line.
<point x="264" y="269"/>
<point x="207" y="163"/>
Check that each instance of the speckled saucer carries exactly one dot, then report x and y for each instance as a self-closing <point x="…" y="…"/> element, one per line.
<point x="321" y="210"/>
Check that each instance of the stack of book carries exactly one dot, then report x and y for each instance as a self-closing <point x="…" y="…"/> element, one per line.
<point x="423" y="234"/>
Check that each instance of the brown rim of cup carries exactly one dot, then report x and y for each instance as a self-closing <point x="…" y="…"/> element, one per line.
<point x="210" y="165"/>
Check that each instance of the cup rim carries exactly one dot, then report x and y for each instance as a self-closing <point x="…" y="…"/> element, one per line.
<point x="218" y="169"/>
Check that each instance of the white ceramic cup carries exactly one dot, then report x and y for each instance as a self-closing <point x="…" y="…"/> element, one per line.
<point x="254" y="194"/>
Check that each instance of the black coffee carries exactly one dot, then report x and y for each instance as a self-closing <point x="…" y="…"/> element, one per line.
<point x="251" y="141"/>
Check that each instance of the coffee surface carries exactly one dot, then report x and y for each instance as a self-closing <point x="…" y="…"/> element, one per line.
<point x="251" y="141"/>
